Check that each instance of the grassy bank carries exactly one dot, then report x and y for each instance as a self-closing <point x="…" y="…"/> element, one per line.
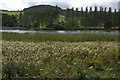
<point x="81" y="28"/>
<point x="38" y="37"/>
<point x="14" y="28"/>
<point x="60" y="59"/>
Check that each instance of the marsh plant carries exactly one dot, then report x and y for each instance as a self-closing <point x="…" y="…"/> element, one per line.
<point x="54" y="59"/>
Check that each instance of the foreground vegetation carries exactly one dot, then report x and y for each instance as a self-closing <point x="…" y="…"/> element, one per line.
<point x="54" y="55"/>
<point x="38" y="37"/>
<point x="60" y="59"/>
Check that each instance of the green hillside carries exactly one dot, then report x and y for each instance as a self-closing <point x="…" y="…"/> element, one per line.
<point x="11" y="12"/>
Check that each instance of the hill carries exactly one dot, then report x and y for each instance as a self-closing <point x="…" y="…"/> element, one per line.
<point x="44" y="7"/>
<point x="41" y="7"/>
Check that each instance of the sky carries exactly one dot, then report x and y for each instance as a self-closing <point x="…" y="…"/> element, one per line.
<point x="21" y="4"/>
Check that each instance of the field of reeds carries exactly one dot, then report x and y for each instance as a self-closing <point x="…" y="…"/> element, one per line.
<point x="56" y="59"/>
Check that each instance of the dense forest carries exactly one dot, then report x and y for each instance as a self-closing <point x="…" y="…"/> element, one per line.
<point x="53" y="17"/>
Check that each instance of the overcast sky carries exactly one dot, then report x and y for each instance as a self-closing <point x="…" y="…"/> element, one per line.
<point x="21" y="4"/>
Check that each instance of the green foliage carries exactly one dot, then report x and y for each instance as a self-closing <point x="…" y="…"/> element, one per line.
<point x="12" y="70"/>
<point x="119" y="18"/>
<point x="104" y="63"/>
<point x="79" y="73"/>
<point x="108" y="25"/>
<point x="38" y="37"/>
<point x="53" y="17"/>
<point x="20" y="19"/>
<point x="9" y="21"/>
<point x="40" y="16"/>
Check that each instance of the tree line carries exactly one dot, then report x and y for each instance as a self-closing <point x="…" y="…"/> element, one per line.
<point x="92" y="18"/>
<point x="46" y="16"/>
<point x="9" y="21"/>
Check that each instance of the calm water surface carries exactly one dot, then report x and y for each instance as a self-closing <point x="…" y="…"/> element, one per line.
<point x="61" y="31"/>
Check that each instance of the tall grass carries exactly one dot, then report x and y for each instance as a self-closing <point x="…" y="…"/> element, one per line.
<point x="38" y="37"/>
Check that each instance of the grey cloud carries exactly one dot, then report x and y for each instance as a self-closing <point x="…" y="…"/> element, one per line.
<point x="113" y="5"/>
<point x="3" y="5"/>
<point x="64" y="4"/>
<point x="61" y="4"/>
<point x="31" y="3"/>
